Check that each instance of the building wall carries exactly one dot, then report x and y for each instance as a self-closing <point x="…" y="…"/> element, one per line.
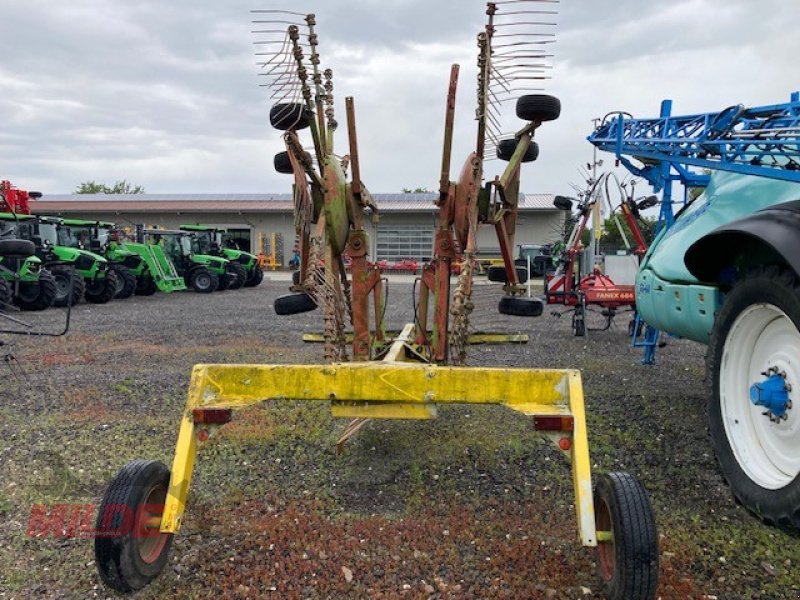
<point x="533" y="227"/>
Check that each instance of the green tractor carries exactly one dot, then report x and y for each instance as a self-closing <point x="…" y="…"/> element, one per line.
<point x="142" y="269"/>
<point x="201" y="272"/>
<point x="23" y="281"/>
<point x="212" y="240"/>
<point x="84" y="272"/>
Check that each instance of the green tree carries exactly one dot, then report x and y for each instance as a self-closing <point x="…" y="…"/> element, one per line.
<point x="419" y="190"/>
<point x="119" y="187"/>
<point x="612" y="238"/>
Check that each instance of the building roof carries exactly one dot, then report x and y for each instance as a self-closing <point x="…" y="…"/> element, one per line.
<point x="239" y="203"/>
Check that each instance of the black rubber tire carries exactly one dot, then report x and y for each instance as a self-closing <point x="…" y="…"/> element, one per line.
<point x="146" y="285"/>
<point x="506" y="149"/>
<point x="203" y="281"/>
<point x="255" y="277"/>
<point x="62" y="276"/>
<point x="295" y="277"/>
<point x="289" y="115"/>
<point x="538" y="107"/>
<point x="282" y="163"/>
<point x="6" y="295"/>
<point x="126" y="281"/>
<point x="293" y="304"/>
<point x="579" y="322"/>
<point x="628" y="565"/>
<point x="497" y="273"/>
<point x="520" y="306"/>
<point x="778" y="287"/>
<point x="37" y="295"/>
<point x="119" y="543"/>
<point x="241" y="276"/>
<point x="17" y="248"/>
<point x="102" y="291"/>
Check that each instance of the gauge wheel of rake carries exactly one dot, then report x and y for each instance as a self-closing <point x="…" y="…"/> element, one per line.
<point x="17" y="248"/>
<point x="627" y="548"/>
<point x="506" y="149"/>
<point x="517" y="306"/>
<point x="538" y="107"/>
<point x="293" y="304"/>
<point x="289" y="115"/>
<point x="130" y="550"/>
<point x="497" y="273"/>
<point x="282" y="163"/>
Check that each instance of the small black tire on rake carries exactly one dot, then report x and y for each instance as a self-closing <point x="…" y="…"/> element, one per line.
<point x="294" y="304"/>
<point x="17" y="248"/>
<point x="506" y="149"/>
<point x="289" y="115"/>
<point x="497" y="273"/>
<point x="282" y="163"/>
<point x="520" y="307"/>
<point x="538" y="107"/>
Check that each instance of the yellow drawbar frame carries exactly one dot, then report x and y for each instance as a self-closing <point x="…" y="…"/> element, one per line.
<point x="397" y="387"/>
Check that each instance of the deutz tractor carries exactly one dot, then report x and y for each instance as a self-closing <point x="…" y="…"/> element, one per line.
<point x="202" y="272"/>
<point x="23" y="281"/>
<point x="211" y="239"/>
<point x="87" y="273"/>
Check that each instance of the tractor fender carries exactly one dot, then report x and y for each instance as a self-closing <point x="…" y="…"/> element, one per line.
<point x="777" y="227"/>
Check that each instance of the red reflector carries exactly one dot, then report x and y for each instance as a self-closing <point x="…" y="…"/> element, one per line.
<point x="565" y="444"/>
<point x="553" y="423"/>
<point x="212" y="416"/>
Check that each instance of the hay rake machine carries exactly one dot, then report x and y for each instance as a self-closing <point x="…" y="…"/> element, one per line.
<point x="391" y="377"/>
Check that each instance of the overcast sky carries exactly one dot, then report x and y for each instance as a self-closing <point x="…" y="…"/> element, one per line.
<point x="165" y="93"/>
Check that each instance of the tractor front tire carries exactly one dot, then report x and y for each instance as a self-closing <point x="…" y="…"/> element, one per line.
<point x="518" y="306"/>
<point x="146" y="285"/>
<point x="126" y="281"/>
<point x="756" y="332"/>
<point x="129" y="553"/>
<point x="627" y="559"/>
<point x="293" y="304"/>
<point x="203" y="281"/>
<point x="66" y="278"/>
<point x="538" y="107"/>
<point x="241" y="276"/>
<point x="37" y="295"/>
<point x="102" y="291"/>
<point x="255" y="277"/>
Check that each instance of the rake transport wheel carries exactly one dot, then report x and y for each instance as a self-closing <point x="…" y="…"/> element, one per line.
<point x="520" y="307"/>
<point x="289" y="115"/>
<point x="627" y="549"/>
<point x="66" y="278"/>
<point x="102" y="291"/>
<point x="241" y="276"/>
<point x="203" y="281"/>
<point x="506" y="149"/>
<point x="293" y="304"/>
<point x="497" y="274"/>
<point x="282" y="163"/>
<point x="17" y="248"/>
<point x="753" y="408"/>
<point x="538" y="107"/>
<point x="254" y="277"/>
<point x="129" y="549"/>
<point x="126" y="281"/>
<point x="37" y="295"/>
<point x="146" y="285"/>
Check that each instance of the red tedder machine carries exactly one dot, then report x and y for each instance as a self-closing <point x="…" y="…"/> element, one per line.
<point x="14" y="200"/>
<point x="566" y="286"/>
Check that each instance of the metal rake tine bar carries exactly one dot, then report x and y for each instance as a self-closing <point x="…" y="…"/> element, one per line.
<point x="524" y="34"/>
<point x="527" y="1"/>
<point x="528" y="12"/>
<point x="517" y="23"/>
<point x="261" y="11"/>
<point x="268" y="31"/>
<point x="509" y="69"/>
<point x="516" y="54"/>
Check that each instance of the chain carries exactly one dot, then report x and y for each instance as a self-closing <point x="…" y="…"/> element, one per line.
<point x="460" y="311"/>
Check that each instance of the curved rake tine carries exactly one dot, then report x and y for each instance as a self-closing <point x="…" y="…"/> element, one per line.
<point x="517" y="24"/>
<point x="527" y="12"/>
<point x="261" y="11"/>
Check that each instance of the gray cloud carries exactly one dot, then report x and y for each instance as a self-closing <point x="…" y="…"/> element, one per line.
<point x="166" y="94"/>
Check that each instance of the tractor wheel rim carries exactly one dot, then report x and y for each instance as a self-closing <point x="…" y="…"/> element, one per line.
<point x="150" y="541"/>
<point x="762" y="337"/>
<point x="28" y="292"/>
<point x="119" y="284"/>
<point x="606" y="551"/>
<point x="62" y="286"/>
<point x="203" y="281"/>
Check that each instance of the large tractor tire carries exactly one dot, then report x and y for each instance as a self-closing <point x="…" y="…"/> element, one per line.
<point x="506" y="149"/>
<point x="289" y="115"/>
<point x="203" y="281"/>
<point x="241" y="276"/>
<point x="146" y="285"/>
<point x="254" y="277"/>
<point x="66" y="278"/>
<point x="754" y="394"/>
<point x="538" y="107"/>
<point x="126" y="281"/>
<point x="627" y="556"/>
<point x="293" y="304"/>
<point x="129" y="552"/>
<point x="37" y="295"/>
<point x="6" y="295"/>
<point x="102" y="291"/>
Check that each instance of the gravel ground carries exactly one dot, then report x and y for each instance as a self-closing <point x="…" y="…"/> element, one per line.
<point x="472" y="504"/>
